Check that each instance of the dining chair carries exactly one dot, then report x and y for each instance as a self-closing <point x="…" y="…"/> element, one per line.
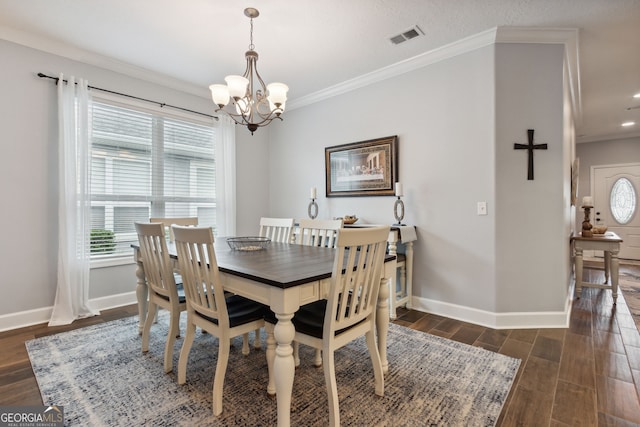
<point x="208" y="307"/>
<point x="318" y="232"/>
<point x="163" y="291"/>
<point x="322" y="233"/>
<point x="168" y="222"/>
<point x="277" y="229"/>
<point x="349" y="311"/>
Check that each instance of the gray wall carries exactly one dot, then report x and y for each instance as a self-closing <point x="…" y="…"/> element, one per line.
<point x="457" y="121"/>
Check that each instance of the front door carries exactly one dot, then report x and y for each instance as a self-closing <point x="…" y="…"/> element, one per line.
<point x="616" y="199"/>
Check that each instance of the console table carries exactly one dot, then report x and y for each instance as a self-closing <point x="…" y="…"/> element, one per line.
<point x="610" y="244"/>
<point x="400" y="291"/>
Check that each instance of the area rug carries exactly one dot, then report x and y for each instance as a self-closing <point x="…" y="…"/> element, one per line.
<point x="101" y="377"/>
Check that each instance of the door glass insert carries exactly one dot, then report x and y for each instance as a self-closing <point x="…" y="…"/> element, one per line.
<point x="623" y="201"/>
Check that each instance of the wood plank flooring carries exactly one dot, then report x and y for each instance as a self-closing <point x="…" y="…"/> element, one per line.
<point x="585" y="375"/>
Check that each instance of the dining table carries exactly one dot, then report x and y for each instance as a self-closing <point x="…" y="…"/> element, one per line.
<point x="283" y="276"/>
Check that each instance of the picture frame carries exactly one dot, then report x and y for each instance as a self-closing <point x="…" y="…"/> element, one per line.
<point x="365" y="168"/>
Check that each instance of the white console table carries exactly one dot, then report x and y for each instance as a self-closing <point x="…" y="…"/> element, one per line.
<point x="610" y="244"/>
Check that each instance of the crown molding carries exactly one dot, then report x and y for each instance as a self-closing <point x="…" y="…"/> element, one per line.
<point x="104" y="62"/>
<point x="609" y="137"/>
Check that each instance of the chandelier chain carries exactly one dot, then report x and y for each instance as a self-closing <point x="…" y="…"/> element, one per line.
<point x="251" y="46"/>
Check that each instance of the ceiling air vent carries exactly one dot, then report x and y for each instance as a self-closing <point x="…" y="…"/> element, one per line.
<point x="407" y="35"/>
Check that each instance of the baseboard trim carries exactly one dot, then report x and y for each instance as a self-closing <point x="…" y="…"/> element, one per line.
<point x="42" y="315"/>
<point x="513" y="320"/>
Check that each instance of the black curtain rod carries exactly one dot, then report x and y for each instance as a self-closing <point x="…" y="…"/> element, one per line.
<point x="161" y="104"/>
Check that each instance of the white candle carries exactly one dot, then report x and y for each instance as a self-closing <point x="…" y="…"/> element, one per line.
<point x="313" y="192"/>
<point x="399" y="192"/>
<point x="587" y="201"/>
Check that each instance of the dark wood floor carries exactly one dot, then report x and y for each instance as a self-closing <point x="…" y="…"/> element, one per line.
<point x="585" y="375"/>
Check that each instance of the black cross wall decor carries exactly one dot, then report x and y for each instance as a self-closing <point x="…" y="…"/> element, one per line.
<point x="530" y="147"/>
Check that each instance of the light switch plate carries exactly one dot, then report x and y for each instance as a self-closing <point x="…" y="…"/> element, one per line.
<point x="482" y="208"/>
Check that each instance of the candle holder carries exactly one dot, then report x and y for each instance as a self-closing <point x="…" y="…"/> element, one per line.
<point x="398" y="206"/>
<point x="312" y="210"/>
<point x="586" y="224"/>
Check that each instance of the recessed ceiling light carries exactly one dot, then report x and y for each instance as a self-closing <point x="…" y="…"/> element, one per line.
<point x="627" y="124"/>
<point x="637" y="95"/>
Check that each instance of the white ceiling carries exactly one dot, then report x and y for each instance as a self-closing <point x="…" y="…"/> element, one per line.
<point x="314" y="44"/>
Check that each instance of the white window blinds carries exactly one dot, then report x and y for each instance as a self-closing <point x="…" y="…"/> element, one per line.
<point x="146" y="164"/>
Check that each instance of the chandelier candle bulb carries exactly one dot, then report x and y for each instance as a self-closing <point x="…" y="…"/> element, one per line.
<point x="399" y="192"/>
<point x="587" y="201"/>
<point x="313" y="192"/>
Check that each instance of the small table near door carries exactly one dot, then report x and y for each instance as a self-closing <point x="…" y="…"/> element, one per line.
<point x="610" y="244"/>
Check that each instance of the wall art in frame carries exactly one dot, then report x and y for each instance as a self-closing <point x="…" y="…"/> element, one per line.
<point x="366" y="168"/>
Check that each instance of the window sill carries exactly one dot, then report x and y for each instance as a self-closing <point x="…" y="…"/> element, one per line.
<point x="111" y="262"/>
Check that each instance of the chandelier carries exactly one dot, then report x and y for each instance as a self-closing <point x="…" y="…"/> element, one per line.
<point x="249" y="102"/>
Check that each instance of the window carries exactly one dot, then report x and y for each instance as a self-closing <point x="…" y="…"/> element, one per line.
<point x="146" y="164"/>
<point x="622" y="201"/>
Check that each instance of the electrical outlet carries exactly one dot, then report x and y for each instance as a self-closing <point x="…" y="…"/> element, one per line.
<point x="482" y="208"/>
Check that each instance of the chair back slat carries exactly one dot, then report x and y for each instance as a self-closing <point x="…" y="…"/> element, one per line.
<point x="355" y="280"/>
<point x="155" y="258"/>
<point x="277" y="229"/>
<point x="199" y="269"/>
<point x="168" y="222"/>
<point x="318" y="232"/>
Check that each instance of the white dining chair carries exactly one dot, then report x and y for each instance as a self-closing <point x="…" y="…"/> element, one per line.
<point x="168" y="222"/>
<point x="318" y="232"/>
<point x="321" y="233"/>
<point x="349" y="311"/>
<point x="208" y="307"/>
<point x="163" y="291"/>
<point x="277" y="229"/>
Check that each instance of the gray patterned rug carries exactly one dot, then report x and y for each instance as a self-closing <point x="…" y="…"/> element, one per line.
<point x="100" y="376"/>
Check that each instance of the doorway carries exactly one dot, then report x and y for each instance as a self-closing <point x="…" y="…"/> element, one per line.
<point x="616" y="199"/>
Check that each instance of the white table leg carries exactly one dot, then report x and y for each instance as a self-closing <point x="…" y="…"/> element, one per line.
<point x="284" y="367"/>
<point x="382" y="321"/>
<point x="607" y="266"/>
<point x="578" y="272"/>
<point x="142" y="292"/>
<point x="614" y="274"/>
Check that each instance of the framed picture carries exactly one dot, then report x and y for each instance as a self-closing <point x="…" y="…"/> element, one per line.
<point x="366" y="168"/>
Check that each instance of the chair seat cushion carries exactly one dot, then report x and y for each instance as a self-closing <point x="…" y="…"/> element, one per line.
<point x="241" y="310"/>
<point x="309" y="319"/>
<point x="181" y="296"/>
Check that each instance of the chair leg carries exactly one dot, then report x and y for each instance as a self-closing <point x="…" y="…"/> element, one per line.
<point x="271" y="357"/>
<point x="147" y="326"/>
<point x="257" y="341"/>
<point x="221" y="370"/>
<point x="296" y="353"/>
<point x="332" y="388"/>
<point x="377" y="363"/>
<point x="245" y="344"/>
<point x="186" y="349"/>
<point x="174" y="330"/>
<point x="317" y="362"/>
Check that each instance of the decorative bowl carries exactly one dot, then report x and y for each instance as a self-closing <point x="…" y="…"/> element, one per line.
<point x="599" y="229"/>
<point x="350" y="219"/>
<point x="248" y="244"/>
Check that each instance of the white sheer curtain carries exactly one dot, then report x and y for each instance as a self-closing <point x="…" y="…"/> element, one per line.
<point x="226" y="177"/>
<point x="74" y="204"/>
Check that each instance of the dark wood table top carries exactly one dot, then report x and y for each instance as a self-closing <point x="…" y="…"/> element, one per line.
<point x="281" y="265"/>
